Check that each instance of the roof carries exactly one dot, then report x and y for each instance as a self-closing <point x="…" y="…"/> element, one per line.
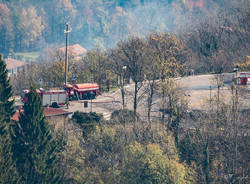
<point x="48" y="112"/>
<point x="13" y="63"/>
<point x="86" y="85"/>
<point x="15" y="117"/>
<point x="75" y="50"/>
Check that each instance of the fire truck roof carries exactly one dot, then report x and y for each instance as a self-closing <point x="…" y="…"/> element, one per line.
<point x="86" y="85"/>
<point x="68" y="85"/>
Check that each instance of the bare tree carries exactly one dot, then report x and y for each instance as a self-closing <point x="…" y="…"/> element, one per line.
<point x="96" y="61"/>
<point x="117" y="65"/>
<point x="169" y="55"/>
<point x="132" y="54"/>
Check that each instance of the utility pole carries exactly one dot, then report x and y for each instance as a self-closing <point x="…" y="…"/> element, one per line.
<point x="67" y="31"/>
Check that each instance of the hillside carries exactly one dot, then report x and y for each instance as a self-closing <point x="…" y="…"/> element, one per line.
<point x="29" y="25"/>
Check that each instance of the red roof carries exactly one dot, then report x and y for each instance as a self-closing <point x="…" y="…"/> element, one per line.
<point x="75" y="50"/>
<point x="15" y="117"/>
<point x="48" y="111"/>
<point x="13" y="63"/>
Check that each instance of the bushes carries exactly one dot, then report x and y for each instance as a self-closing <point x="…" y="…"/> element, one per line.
<point x="87" y="121"/>
<point x="114" y="154"/>
<point x="124" y="116"/>
<point x="149" y="164"/>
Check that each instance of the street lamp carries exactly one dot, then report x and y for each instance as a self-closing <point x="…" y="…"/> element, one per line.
<point x="123" y="77"/>
<point x="236" y="69"/>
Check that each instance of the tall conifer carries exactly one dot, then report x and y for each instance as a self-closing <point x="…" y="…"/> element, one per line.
<point x="34" y="148"/>
<point x="7" y="110"/>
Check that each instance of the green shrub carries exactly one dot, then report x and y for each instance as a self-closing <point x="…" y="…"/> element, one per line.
<point x="87" y="121"/>
<point x="124" y="116"/>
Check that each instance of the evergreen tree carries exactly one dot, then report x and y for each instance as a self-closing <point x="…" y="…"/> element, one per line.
<point x="7" y="168"/>
<point x="34" y="148"/>
<point x="7" y="108"/>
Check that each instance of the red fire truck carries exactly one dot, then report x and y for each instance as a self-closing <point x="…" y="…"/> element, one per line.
<point x="49" y="97"/>
<point x="244" y="78"/>
<point x="85" y="91"/>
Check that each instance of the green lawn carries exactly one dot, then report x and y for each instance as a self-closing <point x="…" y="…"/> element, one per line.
<point x="28" y="56"/>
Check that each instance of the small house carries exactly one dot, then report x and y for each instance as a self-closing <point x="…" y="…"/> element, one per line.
<point x="75" y="51"/>
<point x="57" y="118"/>
<point x="14" y="66"/>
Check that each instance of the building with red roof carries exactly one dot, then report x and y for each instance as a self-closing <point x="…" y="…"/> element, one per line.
<point x="74" y="51"/>
<point x="57" y="118"/>
<point x="14" y="66"/>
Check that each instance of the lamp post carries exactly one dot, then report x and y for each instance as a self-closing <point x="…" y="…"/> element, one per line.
<point x="235" y="110"/>
<point x="236" y="69"/>
<point x="124" y="68"/>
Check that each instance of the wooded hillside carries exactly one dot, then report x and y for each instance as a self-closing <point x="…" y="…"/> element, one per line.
<point x="31" y="25"/>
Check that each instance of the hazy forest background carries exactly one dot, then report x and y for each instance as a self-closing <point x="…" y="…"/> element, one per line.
<point x="206" y="26"/>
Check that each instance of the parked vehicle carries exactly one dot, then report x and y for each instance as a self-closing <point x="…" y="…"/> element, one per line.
<point x="49" y="97"/>
<point x="245" y="78"/>
<point x="84" y="91"/>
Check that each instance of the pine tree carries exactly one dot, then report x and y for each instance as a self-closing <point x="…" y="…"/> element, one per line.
<point x="34" y="148"/>
<point x="7" y="168"/>
<point x="7" y="108"/>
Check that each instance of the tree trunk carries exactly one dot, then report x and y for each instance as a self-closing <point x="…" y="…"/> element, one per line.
<point x="122" y="91"/>
<point x="150" y="100"/>
<point x="206" y="163"/>
<point x="135" y="97"/>
<point x="163" y="105"/>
